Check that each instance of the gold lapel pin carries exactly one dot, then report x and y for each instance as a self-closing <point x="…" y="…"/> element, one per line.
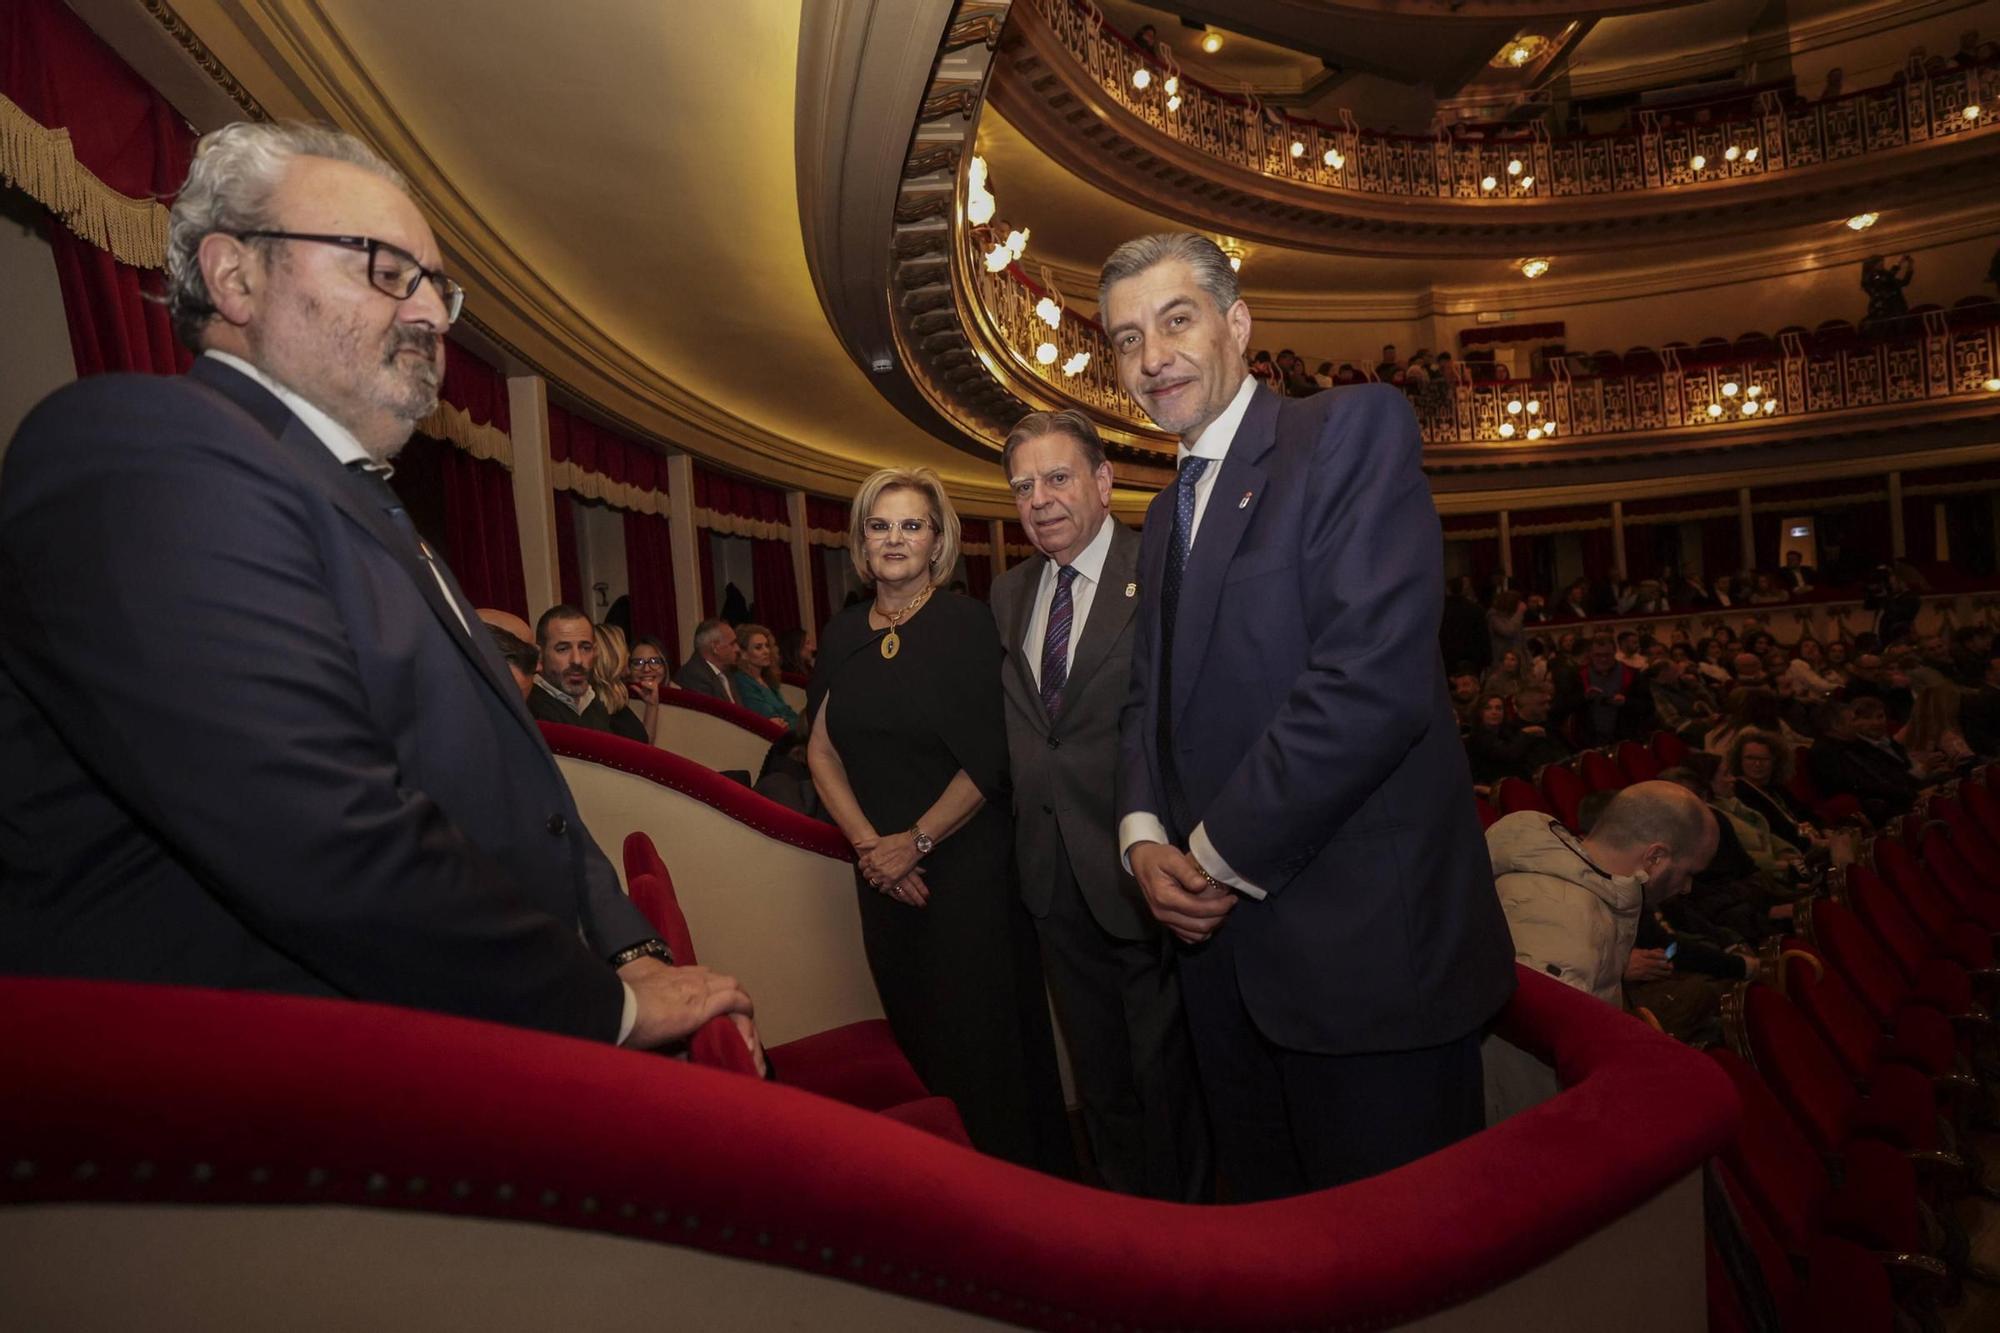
<point x="1244" y="503"/>
<point x="1131" y="590"/>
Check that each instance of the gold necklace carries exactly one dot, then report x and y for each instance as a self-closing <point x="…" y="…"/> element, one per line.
<point x="893" y="643"/>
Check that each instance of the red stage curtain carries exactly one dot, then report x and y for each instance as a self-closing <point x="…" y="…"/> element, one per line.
<point x="979" y="576"/>
<point x="773" y="586"/>
<point x="822" y="591"/>
<point x="569" y="565"/>
<point x="57" y="70"/>
<point x="826" y="516"/>
<point x="1721" y="548"/>
<point x="649" y="576"/>
<point x="1642" y="551"/>
<point x="482" y="539"/>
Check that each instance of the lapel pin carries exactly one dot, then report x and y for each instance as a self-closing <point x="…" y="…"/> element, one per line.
<point x="1131" y="590"/>
<point x="1244" y="503"/>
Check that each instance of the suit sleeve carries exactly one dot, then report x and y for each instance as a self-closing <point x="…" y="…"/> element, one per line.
<point x="166" y="593"/>
<point x="1372" y="575"/>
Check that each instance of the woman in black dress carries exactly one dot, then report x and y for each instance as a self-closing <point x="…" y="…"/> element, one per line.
<point x="909" y="755"/>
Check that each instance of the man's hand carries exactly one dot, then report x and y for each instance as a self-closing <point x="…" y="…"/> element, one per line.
<point x="675" y="1001"/>
<point x="1178" y="893"/>
<point x="1648" y="965"/>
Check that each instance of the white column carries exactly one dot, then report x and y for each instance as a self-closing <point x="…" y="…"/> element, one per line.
<point x="1507" y="545"/>
<point x="1897" y="545"/>
<point x="999" y="528"/>
<point x="682" y="536"/>
<point x="802" y="555"/>
<point x="1746" y="531"/>
<point x="534" y="497"/>
<point x="1618" y="565"/>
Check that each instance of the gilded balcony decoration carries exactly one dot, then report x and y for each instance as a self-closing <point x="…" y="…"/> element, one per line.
<point x="1783" y="134"/>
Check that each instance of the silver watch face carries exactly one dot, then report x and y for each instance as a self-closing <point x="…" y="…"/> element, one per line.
<point x="924" y="844"/>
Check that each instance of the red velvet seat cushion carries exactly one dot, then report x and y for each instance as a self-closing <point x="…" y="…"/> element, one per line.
<point x="1890" y="920"/>
<point x="859" y="1064"/>
<point x="1901" y="1107"/>
<point x="1876" y="1203"/>
<point x="1516" y="794"/>
<point x="933" y="1115"/>
<point x="1599" y="773"/>
<point x="1967" y="887"/>
<point x="1565" y="791"/>
<point x="1638" y="763"/>
<point x="1800" y="1069"/>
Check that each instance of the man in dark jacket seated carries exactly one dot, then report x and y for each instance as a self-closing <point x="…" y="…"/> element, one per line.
<point x="1847" y="760"/>
<point x="563" y="692"/>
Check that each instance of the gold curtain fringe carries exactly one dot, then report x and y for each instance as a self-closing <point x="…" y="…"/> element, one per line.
<point x="828" y="537"/>
<point x="451" y="424"/>
<point x="42" y="162"/>
<point x="730" y="525"/>
<point x="567" y="476"/>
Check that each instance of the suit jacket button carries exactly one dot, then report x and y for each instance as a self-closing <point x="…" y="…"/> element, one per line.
<point x="1054" y="744"/>
<point x="558" y="825"/>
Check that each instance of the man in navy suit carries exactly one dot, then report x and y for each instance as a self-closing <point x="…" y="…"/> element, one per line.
<point x="257" y="737"/>
<point x="1293" y="797"/>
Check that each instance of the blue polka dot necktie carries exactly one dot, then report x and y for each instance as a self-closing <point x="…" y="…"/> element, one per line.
<point x="1055" y="642"/>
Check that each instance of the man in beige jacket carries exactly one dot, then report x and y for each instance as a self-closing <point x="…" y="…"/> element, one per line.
<point x="1573" y="903"/>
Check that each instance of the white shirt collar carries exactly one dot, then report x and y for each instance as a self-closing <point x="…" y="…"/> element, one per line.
<point x="574" y="704"/>
<point x="1089" y="561"/>
<point x="1214" y="441"/>
<point x="338" y="439"/>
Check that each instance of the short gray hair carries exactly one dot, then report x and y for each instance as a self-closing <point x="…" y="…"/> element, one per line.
<point x="712" y="631"/>
<point x="1659" y="811"/>
<point x="229" y="188"/>
<point x="1211" y="267"/>
<point x="1069" y="423"/>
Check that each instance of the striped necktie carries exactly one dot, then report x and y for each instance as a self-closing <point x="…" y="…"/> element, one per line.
<point x="1055" y="642"/>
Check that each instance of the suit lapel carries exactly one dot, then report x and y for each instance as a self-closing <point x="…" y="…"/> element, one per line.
<point x="1024" y="616"/>
<point x="1238" y="493"/>
<point x="1110" y="610"/>
<point x="308" y="457"/>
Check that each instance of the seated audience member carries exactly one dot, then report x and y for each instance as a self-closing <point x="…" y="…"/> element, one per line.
<point x="757" y="677"/>
<point x="646" y="679"/>
<point x="1845" y="762"/>
<point x="714" y="662"/>
<point x="1896" y="601"/>
<point x="298" y="767"/>
<point x="1464" y="695"/>
<point x="1613" y="704"/>
<point x="787" y="777"/>
<point x="1971" y="649"/>
<point x="1932" y="737"/>
<point x="1573" y="903"/>
<point x="1388" y="368"/>
<point x="1649" y="598"/>
<point x="1535" y="610"/>
<point x="1531" y="712"/>
<point x="521" y="657"/>
<point x="796" y="653"/>
<point x="565" y="690"/>
<point x="1680" y="699"/>
<point x="1838" y="654"/>
<point x="1755" y="709"/>
<point x="1632" y="649"/>
<point x="1761" y="766"/>
<point x="1778" y="861"/>
<point x="1576" y="601"/>
<point x="1807" y="675"/>
<point x="1503" y="624"/>
<point x="1494" y="745"/>
<point x="608" y="672"/>
<point x="1730" y="899"/>
<point x="1747" y="670"/>
<point x="1508" y="676"/>
<point x="1871" y="676"/>
<point x="1796" y="578"/>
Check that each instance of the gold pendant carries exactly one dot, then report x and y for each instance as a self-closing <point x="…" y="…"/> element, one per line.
<point x="891" y="645"/>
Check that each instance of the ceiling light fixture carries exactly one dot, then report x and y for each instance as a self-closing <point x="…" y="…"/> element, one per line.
<point x="1049" y="312"/>
<point x="1234" y="249"/>
<point x="1141" y="77"/>
<point x="1715" y="409"/>
<point x="1514" y="166"/>
<point x="1211" y="42"/>
<point x="1017" y="241"/>
<point x="1862" y="221"/>
<point x="1697" y="162"/>
<point x="1534" y="268"/>
<point x="1172" y="85"/>
<point x="1298" y="148"/>
<point x="1488" y="183"/>
<point x="998" y="258"/>
<point x="1972" y="112"/>
<point x="1076" y="363"/>
<point x="1749" y="155"/>
<point x="1732" y="154"/>
<point x="1174" y="102"/>
<point x="979" y="202"/>
<point x="1527" y="182"/>
<point x="1506" y="430"/>
<point x="1047" y="354"/>
<point x="1519" y="52"/>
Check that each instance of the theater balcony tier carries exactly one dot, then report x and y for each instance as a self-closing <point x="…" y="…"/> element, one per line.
<point x="1137" y="127"/>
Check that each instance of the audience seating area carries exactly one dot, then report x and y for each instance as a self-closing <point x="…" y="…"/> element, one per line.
<point x="715" y="733"/>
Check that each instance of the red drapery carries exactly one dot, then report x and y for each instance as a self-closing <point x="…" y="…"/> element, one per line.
<point x="704" y="544"/>
<point x="649" y="573"/>
<point x="1721" y="548"/>
<point x="1482" y="553"/>
<point x="58" y="71"/>
<point x="979" y="576"/>
<point x="774" y="586"/>
<point x="569" y="565"/>
<point x="482" y="538"/>
<point x="823" y="515"/>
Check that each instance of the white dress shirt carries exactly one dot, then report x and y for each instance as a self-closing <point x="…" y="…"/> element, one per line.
<point x="340" y="442"/>
<point x="1144" y="825"/>
<point x="1089" y="567"/>
<point x="728" y="690"/>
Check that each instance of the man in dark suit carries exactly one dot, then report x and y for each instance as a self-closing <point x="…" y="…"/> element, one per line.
<point x="715" y="653"/>
<point x="1065" y="620"/>
<point x="566" y="649"/>
<point x="257" y="737"/>
<point x="1293" y="797"/>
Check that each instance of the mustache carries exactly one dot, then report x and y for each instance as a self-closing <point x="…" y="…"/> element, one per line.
<point x="404" y="337"/>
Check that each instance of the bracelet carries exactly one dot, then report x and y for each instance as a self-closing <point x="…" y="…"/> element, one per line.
<point x="653" y="948"/>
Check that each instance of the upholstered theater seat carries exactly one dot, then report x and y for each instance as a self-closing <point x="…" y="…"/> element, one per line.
<point x="1917" y="1033"/>
<point x="1600" y="772"/>
<point x="1637" y="763"/>
<point x="358" y="1166"/>
<point x="763" y="887"/>
<point x="1565" y="791"/>
<point x="1515" y="794"/>
<point x="1669" y="749"/>
<point x="715" y="733"/>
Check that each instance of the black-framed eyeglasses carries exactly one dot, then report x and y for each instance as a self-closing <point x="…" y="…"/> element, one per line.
<point x="649" y="661"/>
<point x="392" y="270"/>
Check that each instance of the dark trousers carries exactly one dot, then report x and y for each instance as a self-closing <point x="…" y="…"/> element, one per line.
<point x="1287" y="1122"/>
<point x="1119" y="1005"/>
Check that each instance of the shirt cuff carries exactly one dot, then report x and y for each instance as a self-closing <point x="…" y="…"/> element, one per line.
<point x="1204" y="854"/>
<point x="630" y="1017"/>
<point x="1137" y="827"/>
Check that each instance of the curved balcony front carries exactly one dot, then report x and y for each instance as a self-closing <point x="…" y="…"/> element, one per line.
<point x="1128" y="122"/>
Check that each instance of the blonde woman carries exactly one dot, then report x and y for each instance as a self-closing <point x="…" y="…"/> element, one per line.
<point x="908" y="751"/>
<point x="1932" y="736"/>
<point x="757" y="677"/>
<point x="607" y="677"/>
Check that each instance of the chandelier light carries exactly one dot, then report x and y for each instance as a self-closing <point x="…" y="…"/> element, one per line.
<point x="1076" y="363"/>
<point x="1049" y="312"/>
<point x="1534" y="407"/>
<point x="1298" y="148"/>
<point x="1527" y="182"/>
<point x="1862" y="221"/>
<point x="1534" y="268"/>
<point x="1514" y="166"/>
<point x="1750" y="408"/>
<point x="1334" y="159"/>
<point x="1514" y="407"/>
<point x="998" y="258"/>
<point x="1993" y="385"/>
<point x="1017" y="241"/>
<point x="1174" y="102"/>
<point x="1750" y="155"/>
<point x="1488" y="184"/>
<point x="1047" y="354"/>
<point x="1731" y="389"/>
<point x="1972" y="112"/>
<point x="1235" y="251"/>
<point x="979" y="201"/>
<point x="1211" y="42"/>
<point x="1732" y="154"/>
<point x="1506" y="430"/>
<point x="1172" y="85"/>
<point x="1715" y="409"/>
<point x="1534" y="432"/>
<point x="1142" y="78"/>
<point x="1697" y="162"/>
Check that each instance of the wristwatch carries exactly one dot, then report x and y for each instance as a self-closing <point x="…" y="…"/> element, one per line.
<point x="653" y="948"/>
<point x="925" y="842"/>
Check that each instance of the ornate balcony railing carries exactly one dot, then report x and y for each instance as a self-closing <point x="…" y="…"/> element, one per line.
<point x="1784" y="133"/>
<point x="1923" y="358"/>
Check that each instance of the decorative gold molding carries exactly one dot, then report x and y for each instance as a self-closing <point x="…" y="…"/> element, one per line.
<point x="567" y="476"/>
<point x="481" y="441"/>
<point x="204" y="59"/>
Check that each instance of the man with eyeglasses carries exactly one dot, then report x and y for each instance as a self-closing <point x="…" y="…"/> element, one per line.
<point x="258" y="737"/>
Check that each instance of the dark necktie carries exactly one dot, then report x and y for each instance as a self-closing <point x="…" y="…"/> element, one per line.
<point x="1170" y="599"/>
<point x="1055" y="642"/>
<point x="375" y="479"/>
